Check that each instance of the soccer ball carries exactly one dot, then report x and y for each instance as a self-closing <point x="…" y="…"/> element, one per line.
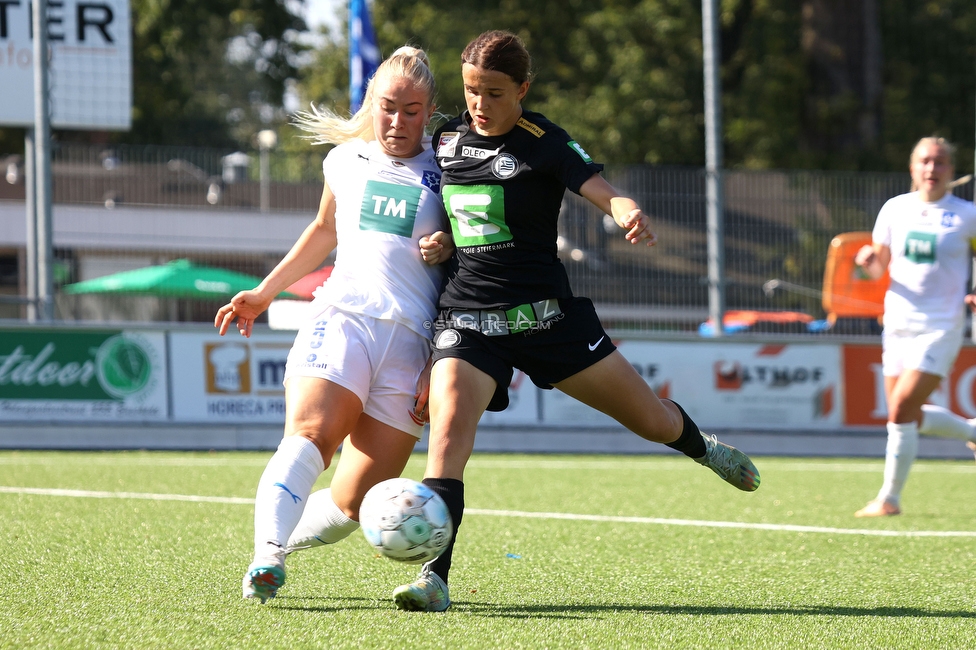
<point x="405" y="520"/>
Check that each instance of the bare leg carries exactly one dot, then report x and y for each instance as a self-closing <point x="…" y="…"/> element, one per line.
<point x="906" y="394"/>
<point x="612" y="386"/>
<point x="460" y="393"/>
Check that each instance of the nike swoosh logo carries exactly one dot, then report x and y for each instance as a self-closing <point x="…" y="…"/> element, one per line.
<point x="448" y="163"/>
<point x="595" y="345"/>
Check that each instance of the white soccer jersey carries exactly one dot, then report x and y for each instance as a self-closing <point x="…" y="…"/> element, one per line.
<point x="384" y="205"/>
<point x="931" y="248"/>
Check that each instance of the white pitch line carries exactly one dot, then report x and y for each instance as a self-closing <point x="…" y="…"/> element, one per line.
<point x="91" y="494"/>
<point x="723" y="524"/>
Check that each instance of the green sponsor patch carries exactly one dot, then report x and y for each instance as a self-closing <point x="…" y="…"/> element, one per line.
<point x="574" y="145"/>
<point x="477" y="214"/>
<point x="920" y="247"/>
<point x="389" y="208"/>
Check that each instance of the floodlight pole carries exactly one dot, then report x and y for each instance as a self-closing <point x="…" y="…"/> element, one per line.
<point x="30" y="202"/>
<point x="713" y="167"/>
<point x="42" y="166"/>
<point x="267" y="140"/>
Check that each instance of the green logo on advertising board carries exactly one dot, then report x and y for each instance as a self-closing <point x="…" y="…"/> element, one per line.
<point x="123" y="366"/>
<point x="50" y="365"/>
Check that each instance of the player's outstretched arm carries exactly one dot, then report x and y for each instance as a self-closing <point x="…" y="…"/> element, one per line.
<point x="623" y="209"/>
<point x="313" y="246"/>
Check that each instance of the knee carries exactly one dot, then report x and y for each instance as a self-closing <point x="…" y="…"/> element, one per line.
<point x="901" y="411"/>
<point x="325" y="446"/>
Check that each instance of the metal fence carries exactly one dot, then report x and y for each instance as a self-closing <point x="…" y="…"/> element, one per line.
<point x="778" y="225"/>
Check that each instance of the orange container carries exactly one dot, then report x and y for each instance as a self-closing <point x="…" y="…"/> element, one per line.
<point x="848" y="291"/>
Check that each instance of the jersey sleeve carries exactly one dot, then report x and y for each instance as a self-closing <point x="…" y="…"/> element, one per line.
<point x="570" y="162"/>
<point x="882" y="227"/>
<point x="331" y="164"/>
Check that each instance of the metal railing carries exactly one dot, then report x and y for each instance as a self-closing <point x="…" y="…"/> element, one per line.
<point x="778" y="225"/>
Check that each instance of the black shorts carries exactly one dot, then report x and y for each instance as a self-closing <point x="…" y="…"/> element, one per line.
<point x="548" y="352"/>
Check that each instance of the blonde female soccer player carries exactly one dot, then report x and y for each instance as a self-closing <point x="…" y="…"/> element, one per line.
<point x="354" y="367"/>
<point x="925" y="239"/>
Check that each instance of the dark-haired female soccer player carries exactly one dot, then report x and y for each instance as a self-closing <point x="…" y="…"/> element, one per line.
<point x="508" y="304"/>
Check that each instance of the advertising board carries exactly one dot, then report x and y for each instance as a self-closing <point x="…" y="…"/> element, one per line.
<point x="90" y="72"/>
<point x="229" y="379"/>
<point x="83" y="376"/>
<point x="728" y="385"/>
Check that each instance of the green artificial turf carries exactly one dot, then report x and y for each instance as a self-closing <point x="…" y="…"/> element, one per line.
<point x="555" y="552"/>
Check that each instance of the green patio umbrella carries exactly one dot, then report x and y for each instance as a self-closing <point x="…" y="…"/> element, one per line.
<point x="176" y="279"/>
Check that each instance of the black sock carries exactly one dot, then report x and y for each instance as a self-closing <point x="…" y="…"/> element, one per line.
<point x="690" y="442"/>
<point x="452" y="491"/>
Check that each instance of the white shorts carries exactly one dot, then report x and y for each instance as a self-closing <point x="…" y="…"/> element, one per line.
<point x="931" y="352"/>
<point x="378" y="360"/>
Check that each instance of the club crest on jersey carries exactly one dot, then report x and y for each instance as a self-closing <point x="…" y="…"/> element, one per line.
<point x="432" y="181"/>
<point x="447" y="339"/>
<point x="447" y="143"/>
<point x="505" y="166"/>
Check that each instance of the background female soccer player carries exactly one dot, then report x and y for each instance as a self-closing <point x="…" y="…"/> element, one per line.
<point x="925" y="240"/>
<point x="354" y="367"/>
<point x="508" y="302"/>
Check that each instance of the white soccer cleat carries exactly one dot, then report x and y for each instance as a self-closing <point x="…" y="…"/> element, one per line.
<point x="733" y="466"/>
<point x="266" y="574"/>
<point x="428" y="593"/>
<point x="263" y="582"/>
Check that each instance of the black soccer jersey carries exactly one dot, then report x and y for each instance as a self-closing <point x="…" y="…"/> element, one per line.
<point x="503" y="195"/>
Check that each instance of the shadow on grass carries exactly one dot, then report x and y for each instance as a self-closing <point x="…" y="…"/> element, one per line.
<point x="327" y="605"/>
<point x="488" y="610"/>
<point x="579" y="611"/>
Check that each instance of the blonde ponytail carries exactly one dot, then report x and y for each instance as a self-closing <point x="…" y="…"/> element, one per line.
<point x="324" y="126"/>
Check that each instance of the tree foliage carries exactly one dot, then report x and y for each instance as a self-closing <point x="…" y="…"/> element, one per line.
<point x="829" y="84"/>
<point x="210" y="72"/>
<point x="823" y="84"/>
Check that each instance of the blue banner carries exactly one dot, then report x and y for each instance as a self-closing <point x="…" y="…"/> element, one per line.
<point x="364" y="55"/>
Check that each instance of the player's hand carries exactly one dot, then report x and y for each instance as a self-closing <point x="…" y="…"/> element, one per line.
<point x="970" y="301"/>
<point x="245" y="307"/>
<point x="866" y="256"/>
<point x="436" y="248"/>
<point x="638" y="226"/>
<point x="420" y="413"/>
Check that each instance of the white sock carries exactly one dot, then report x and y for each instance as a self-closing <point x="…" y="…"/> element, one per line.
<point x="899" y="455"/>
<point x="323" y="522"/>
<point x="938" y="421"/>
<point x="282" y="492"/>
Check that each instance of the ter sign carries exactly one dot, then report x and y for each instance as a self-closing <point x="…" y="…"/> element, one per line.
<point x="90" y="72"/>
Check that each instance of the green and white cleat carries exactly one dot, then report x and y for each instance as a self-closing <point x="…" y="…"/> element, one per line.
<point x="428" y="593"/>
<point x="733" y="466"/>
<point x="263" y="582"/>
